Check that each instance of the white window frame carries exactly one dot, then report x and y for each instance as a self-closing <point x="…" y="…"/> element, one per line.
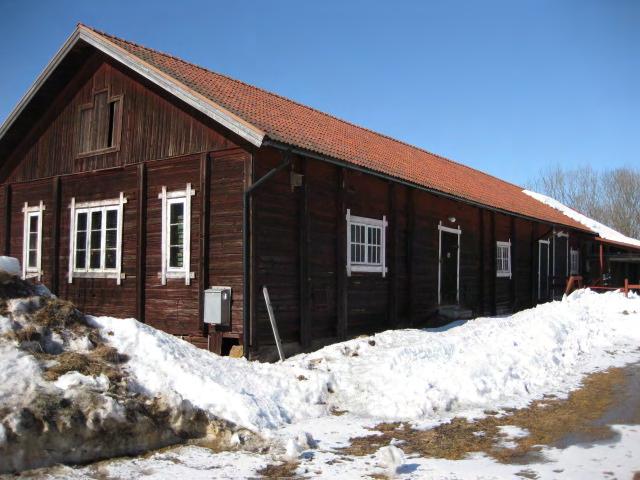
<point x="168" y="198"/>
<point x="503" y="273"/>
<point x="116" y="204"/>
<point x="458" y="232"/>
<point x="29" y="212"/>
<point x="574" y="254"/>
<point x="367" y="266"/>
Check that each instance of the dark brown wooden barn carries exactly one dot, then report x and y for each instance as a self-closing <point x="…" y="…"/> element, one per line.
<point x="131" y="181"/>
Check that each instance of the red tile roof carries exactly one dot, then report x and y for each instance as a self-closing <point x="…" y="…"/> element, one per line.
<point x="304" y="127"/>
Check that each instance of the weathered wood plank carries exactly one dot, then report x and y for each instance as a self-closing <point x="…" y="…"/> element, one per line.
<point x="392" y="243"/>
<point x="341" y="271"/>
<point x="7" y="219"/>
<point x="141" y="253"/>
<point x="303" y="257"/>
<point x="55" y="247"/>
<point x="205" y="205"/>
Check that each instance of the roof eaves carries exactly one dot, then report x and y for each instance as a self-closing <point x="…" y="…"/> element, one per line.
<point x="277" y="142"/>
<point x="617" y="243"/>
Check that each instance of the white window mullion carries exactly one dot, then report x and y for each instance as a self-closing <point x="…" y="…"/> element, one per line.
<point x="72" y="238"/>
<point x="348" y="242"/>
<point x="383" y="241"/>
<point x="25" y="239"/>
<point x="165" y="254"/>
<point x="119" y="225"/>
<point x="103" y="238"/>
<point x="39" y="241"/>
<point x="187" y="235"/>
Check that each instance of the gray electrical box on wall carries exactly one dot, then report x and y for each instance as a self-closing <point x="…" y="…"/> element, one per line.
<point x="217" y="305"/>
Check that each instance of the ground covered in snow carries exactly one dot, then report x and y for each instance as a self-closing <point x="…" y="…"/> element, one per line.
<point x="301" y="414"/>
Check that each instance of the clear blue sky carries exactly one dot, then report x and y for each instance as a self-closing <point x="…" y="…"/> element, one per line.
<point x="507" y="86"/>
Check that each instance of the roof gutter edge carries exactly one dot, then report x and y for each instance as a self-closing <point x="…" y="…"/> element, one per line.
<point x="268" y="142"/>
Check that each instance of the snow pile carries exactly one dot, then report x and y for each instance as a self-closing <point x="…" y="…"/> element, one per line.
<point x="64" y="393"/>
<point x="597" y="227"/>
<point x="10" y="265"/>
<point x="297" y="444"/>
<point x="254" y="395"/>
<point x="421" y="374"/>
<point x="390" y="458"/>
<point x="395" y="375"/>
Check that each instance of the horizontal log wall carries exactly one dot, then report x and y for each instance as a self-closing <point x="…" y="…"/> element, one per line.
<point x="173" y="307"/>
<point x="408" y="294"/>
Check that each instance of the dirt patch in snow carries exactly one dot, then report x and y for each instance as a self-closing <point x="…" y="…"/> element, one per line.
<point x="585" y="416"/>
<point x="279" y="470"/>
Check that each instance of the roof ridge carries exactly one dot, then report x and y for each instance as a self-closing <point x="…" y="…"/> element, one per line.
<point x="295" y="102"/>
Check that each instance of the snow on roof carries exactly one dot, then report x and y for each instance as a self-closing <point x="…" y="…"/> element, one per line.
<point x="601" y="229"/>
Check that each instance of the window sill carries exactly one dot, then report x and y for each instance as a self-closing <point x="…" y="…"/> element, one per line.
<point x="503" y="275"/>
<point x="97" y="275"/>
<point x="367" y="269"/>
<point x="179" y="275"/>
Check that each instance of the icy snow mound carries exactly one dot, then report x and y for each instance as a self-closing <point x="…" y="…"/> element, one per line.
<point x="250" y="394"/>
<point x="421" y="374"/>
<point x="10" y="265"/>
<point x="599" y="228"/>
<point x="64" y="395"/>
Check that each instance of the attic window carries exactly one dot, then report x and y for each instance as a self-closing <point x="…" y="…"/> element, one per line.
<point x="100" y="124"/>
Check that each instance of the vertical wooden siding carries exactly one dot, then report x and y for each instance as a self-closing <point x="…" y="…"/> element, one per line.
<point x="153" y="126"/>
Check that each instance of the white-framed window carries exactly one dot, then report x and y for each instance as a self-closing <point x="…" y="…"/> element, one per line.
<point x="96" y="239"/>
<point x="176" y="234"/>
<point x="366" y="241"/>
<point x="575" y="262"/>
<point x="32" y="241"/>
<point x="503" y="259"/>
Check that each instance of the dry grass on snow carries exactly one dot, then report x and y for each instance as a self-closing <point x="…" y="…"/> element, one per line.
<point x="548" y="422"/>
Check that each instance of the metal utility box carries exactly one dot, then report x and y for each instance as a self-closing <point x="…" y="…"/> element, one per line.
<point x="217" y="305"/>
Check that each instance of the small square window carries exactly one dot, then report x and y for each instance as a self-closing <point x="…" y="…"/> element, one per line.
<point x="366" y="249"/>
